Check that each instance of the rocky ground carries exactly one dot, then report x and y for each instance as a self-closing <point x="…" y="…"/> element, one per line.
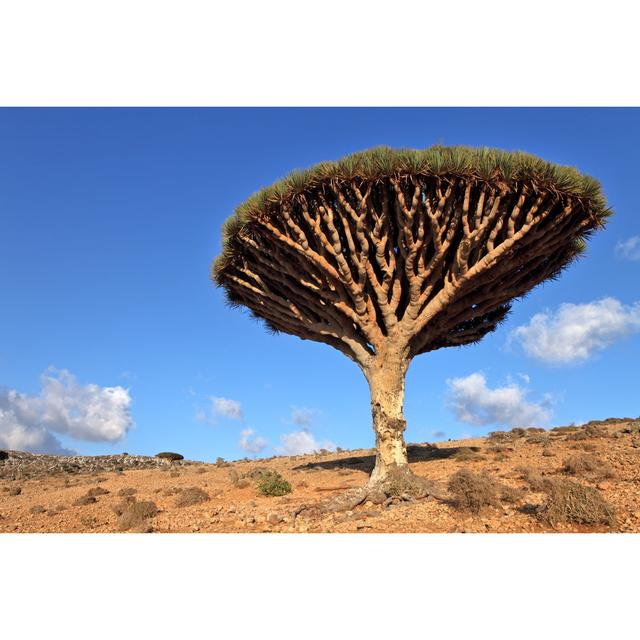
<point x="568" y="479"/>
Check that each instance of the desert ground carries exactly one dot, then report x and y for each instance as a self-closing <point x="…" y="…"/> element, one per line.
<point x="566" y="479"/>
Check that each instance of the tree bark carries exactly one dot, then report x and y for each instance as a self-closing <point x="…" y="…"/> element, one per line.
<point x="386" y="384"/>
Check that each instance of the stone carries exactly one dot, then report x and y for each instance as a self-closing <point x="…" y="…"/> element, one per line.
<point x="274" y="518"/>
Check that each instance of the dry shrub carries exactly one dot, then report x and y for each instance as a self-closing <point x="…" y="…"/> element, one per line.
<point x="255" y="474"/>
<point x="37" y="509"/>
<point x="84" y="500"/>
<point x="500" y="437"/>
<point x="538" y="438"/>
<point x="584" y="464"/>
<point x="465" y="454"/>
<point x="234" y="477"/>
<point x="548" y="453"/>
<point x="190" y="496"/>
<point x="127" y="491"/>
<point x="201" y="470"/>
<point x="472" y="492"/>
<point x="533" y="478"/>
<point x="569" y="501"/>
<point x="133" y="514"/>
<point x="510" y="494"/>
<point x="97" y="491"/>
<point x="563" y="430"/>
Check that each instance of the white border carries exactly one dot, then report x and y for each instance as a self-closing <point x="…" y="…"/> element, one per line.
<point x="334" y="52"/>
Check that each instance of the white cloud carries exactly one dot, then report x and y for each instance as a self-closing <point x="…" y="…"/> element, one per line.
<point x="301" y="416"/>
<point x="227" y="408"/>
<point x="85" y="412"/>
<point x="299" y="442"/>
<point x="473" y="402"/>
<point x="250" y="444"/>
<point x="574" y="331"/>
<point x="629" y="249"/>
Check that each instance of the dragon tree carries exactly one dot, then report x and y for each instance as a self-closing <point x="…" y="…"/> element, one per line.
<point x="387" y="254"/>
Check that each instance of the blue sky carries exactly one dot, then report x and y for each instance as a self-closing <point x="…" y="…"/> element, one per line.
<point x="110" y="219"/>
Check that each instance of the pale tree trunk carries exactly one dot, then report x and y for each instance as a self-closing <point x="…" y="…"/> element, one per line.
<point x="386" y="384"/>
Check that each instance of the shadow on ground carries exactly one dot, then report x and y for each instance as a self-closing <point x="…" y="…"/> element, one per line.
<point x="415" y="452"/>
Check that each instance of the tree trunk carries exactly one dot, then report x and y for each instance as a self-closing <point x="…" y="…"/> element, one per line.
<point x="386" y="384"/>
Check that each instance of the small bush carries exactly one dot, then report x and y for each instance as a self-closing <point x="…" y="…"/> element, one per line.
<point x="538" y="438"/>
<point x="190" y="496"/>
<point x="547" y="452"/>
<point x="569" y="501"/>
<point x="127" y="491"/>
<point x="533" y="478"/>
<point x="84" y="500"/>
<point x="472" y="492"/>
<point x="133" y="514"/>
<point x="584" y="464"/>
<point x="220" y="462"/>
<point x="169" y="455"/>
<point x="567" y="429"/>
<point x="37" y="509"/>
<point x="234" y="477"/>
<point x="272" y="483"/>
<point x="97" y="491"/>
<point x="255" y="474"/>
<point x="500" y="437"/>
<point x="465" y="454"/>
<point x="510" y="494"/>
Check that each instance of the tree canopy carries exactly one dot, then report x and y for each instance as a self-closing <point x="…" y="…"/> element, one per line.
<point x="425" y="248"/>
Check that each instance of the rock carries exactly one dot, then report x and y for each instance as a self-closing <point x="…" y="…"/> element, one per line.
<point x="274" y="518"/>
<point x="15" y="491"/>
